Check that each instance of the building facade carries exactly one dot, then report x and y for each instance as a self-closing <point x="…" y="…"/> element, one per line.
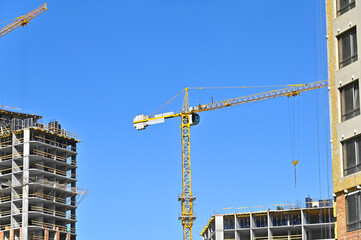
<point x="38" y="193"/>
<point x="310" y="223"/>
<point x="343" y="34"/>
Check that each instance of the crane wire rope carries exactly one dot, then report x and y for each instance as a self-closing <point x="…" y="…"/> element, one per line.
<point x="205" y="88"/>
<point x="166" y="103"/>
<point x="316" y="95"/>
<point x="24" y="73"/>
<point x="265" y="86"/>
<point x="6" y="21"/>
<point x="12" y="20"/>
<point x="293" y="115"/>
<point x="316" y="65"/>
<point x="326" y="107"/>
<point x="321" y="70"/>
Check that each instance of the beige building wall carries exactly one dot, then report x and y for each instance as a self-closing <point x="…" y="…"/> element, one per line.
<point x="345" y="128"/>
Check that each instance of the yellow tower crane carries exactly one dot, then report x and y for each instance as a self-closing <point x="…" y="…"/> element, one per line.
<point x="189" y="117"/>
<point x="23" y="20"/>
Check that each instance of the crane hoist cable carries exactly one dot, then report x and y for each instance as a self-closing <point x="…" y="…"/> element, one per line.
<point x="189" y="117"/>
<point x="293" y="113"/>
<point x="17" y="22"/>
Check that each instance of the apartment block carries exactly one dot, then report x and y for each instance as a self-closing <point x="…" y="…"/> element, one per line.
<point x="38" y="179"/>
<point x="343" y="33"/>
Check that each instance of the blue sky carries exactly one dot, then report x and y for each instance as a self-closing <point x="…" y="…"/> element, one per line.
<point x="94" y="65"/>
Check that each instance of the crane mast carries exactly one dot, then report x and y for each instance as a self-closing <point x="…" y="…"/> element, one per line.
<point x="187" y="216"/>
<point x="189" y="117"/>
<point x="23" y="20"/>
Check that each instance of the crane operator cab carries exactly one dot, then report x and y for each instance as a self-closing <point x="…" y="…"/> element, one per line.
<point x="194" y="119"/>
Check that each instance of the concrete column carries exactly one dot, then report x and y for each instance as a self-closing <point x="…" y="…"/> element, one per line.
<point x="289" y="234"/>
<point x="303" y="222"/>
<point x="235" y="222"/>
<point x="57" y="234"/>
<point x="251" y="221"/>
<point x="236" y="226"/>
<point x="237" y="235"/>
<point x="1" y="235"/>
<point x="12" y="234"/>
<point x="219" y="227"/>
<point x="25" y="207"/>
<point x="21" y="234"/>
<point x="68" y="236"/>
<point x="303" y="218"/>
<point x="269" y="223"/>
<point x="251" y="226"/>
<point x="73" y="199"/>
<point x="13" y="180"/>
<point x="46" y="234"/>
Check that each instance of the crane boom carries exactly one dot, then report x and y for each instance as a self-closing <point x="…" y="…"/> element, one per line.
<point x="23" y="20"/>
<point x="142" y="121"/>
<point x="189" y="117"/>
<point x="290" y="91"/>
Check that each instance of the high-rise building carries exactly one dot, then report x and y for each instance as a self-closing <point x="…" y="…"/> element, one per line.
<point x="343" y="34"/>
<point x="38" y="192"/>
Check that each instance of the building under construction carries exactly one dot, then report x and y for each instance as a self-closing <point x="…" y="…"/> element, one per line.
<point x="314" y="221"/>
<point x="38" y="192"/>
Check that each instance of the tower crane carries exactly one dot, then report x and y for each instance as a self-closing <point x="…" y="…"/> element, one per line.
<point x="189" y="117"/>
<point x="23" y="20"/>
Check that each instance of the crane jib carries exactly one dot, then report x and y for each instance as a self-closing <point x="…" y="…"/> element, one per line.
<point x="292" y="91"/>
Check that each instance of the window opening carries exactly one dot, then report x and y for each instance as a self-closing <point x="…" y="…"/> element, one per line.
<point x="350" y="101"/>
<point x="351" y="155"/>
<point x="344" y="6"/>
<point x="347" y="48"/>
<point x="353" y="213"/>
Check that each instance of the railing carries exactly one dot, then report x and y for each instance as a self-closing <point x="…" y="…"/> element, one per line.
<point x="315" y="203"/>
<point x="39" y="195"/>
<point x="11" y="156"/>
<point x="54" y="143"/>
<point x="353" y="113"/>
<point x="52" y="226"/>
<point x="55" y="130"/>
<point x="34" y="237"/>
<point x="6" y="144"/>
<point x="52" y="198"/>
<point x="56" y="171"/>
<point x="46" y="168"/>
<point x="51" y="184"/>
<point x="9" y="212"/>
<point x="348" y="61"/>
<point x="7" y="131"/>
<point x="10" y="142"/>
<point x="8" y="198"/>
<point x="53" y="156"/>
<point x="6" y="226"/>
<point x="9" y="170"/>
<point x="53" y="212"/>
<point x="281" y="237"/>
<point x="73" y="197"/>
